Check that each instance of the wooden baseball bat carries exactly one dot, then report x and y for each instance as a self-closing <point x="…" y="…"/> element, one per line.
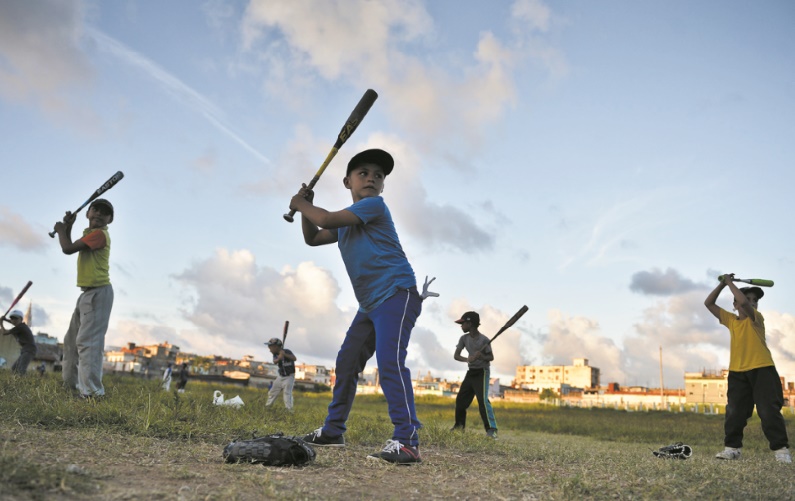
<point x="753" y="281"/>
<point x="110" y="183"/>
<point x="19" y="296"/>
<point x="284" y="335"/>
<point x="365" y="103"/>
<point x="510" y="322"/>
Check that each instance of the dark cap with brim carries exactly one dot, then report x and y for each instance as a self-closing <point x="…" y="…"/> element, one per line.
<point x="753" y="290"/>
<point x="469" y="316"/>
<point x="374" y="156"/>
<point x="102" y="201"/>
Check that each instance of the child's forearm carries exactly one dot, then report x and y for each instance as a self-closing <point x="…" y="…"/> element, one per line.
<point x="713" y="296"/>
<point x="738" y="295"/>
<point x="316" y="215"/>
<point x="65" y="239"/>
<point x="310" y="230"/>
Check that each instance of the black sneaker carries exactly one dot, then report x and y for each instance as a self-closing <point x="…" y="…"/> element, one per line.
<point x="457" y="427"/>
<point x="317" y="438"/>
<point x="397" y="453"/>
<point x="492" y="433"/>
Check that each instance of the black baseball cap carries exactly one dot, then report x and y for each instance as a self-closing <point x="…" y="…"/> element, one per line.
<point x="373" y="156"/>
<point x="469" y="316"/>
<point x="274" y="341"/>
<point x="753" y="290"/>
<point x="102" y="201"/>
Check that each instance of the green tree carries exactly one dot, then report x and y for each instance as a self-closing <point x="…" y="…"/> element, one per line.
<point x="548" y="394"/>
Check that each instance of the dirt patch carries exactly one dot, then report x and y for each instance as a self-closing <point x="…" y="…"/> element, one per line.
<point x="94" y="464"/>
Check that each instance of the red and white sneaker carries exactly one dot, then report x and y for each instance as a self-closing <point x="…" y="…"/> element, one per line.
<point x="397" y="453"/>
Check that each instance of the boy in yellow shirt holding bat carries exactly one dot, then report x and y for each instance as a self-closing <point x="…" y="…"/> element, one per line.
<point x="753" y="379"/>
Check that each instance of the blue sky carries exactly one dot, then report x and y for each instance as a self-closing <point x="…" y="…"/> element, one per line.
<point x="601" y="162"/>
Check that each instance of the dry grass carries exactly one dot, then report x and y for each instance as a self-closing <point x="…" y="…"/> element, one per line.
<point x="141" y="443"/>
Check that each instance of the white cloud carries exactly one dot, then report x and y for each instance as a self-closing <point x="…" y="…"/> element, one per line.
<point x="533" y="12"/>
<point x="580" y="337"/>
<point x="780" y="337"/>
<point x="18" y="233"/>
<point x="337" y="38"/>
<point x="237" y="305"/>
<point x="426" y="353"/>
<point x="390" y="46"/>
<point x="690" y="336"/>
<point x="420" y="216"/>
<point x="39" y="52"/>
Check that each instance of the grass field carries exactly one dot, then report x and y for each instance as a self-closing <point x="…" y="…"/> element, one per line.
<point x="140" y="442"/>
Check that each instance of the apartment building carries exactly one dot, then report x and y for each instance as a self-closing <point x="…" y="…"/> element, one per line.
<point x="557" y="377"/>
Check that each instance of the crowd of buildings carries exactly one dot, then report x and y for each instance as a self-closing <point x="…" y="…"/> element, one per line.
<point x="578" y="384"/>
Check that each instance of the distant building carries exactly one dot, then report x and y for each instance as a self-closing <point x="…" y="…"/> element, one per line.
<point x="44" y="338"/>
<point x="559" y="378"/>
<point x="706" y="387"/>
<point x="615" y="395"/>
<point x="315" y="373"/>
<point x="150" y="359"/>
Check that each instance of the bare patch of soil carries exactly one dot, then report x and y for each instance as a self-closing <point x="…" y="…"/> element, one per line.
<point x="95" y="464"/>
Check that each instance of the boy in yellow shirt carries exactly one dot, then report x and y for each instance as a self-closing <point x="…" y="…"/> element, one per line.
<point x="84" y="342"/>
<point x="753" y="379"/>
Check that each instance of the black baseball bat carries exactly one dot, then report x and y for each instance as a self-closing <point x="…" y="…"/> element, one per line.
<point x="110" y="183"/>
<point x="365" y="103"/>
<point x="510" y="322"/>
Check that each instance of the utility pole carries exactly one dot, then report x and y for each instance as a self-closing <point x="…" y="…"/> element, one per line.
<point x="662" y="386"/>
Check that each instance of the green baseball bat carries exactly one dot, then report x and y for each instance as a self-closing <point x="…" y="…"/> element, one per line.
<point x="753" y="281"/>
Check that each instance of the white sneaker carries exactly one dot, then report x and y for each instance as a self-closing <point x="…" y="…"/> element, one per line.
<point x="783" y="455"/>
<point x="729" y="453"/>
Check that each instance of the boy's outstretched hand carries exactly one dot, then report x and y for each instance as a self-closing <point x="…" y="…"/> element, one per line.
<point x="425" y="292"/>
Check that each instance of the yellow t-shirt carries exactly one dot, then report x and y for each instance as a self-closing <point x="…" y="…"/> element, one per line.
<point x="748" y="347"/>
<point x="93" y="263"/>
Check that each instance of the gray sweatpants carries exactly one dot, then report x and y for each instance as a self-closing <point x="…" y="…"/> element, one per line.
<point x="285" y="384"/>
<point x="84" y="342"/>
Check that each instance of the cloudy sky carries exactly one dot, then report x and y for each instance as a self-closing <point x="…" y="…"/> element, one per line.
<point x="599" y="162"/>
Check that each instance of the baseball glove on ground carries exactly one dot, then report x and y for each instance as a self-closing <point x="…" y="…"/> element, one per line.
<point x="674" y="451"/>
<point x="270" y="450"/>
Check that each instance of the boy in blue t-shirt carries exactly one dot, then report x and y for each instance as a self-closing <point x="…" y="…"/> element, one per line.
<point x="389" y="303"/>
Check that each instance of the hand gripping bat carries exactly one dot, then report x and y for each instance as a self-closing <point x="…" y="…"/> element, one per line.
<point x="365" y="103"/>
<point x="110" y="183"/>
<point x="752" y="281"/>
<point x="19" y="296"/>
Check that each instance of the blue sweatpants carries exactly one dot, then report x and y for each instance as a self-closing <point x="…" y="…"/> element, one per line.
<point x="384" y="331"/>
